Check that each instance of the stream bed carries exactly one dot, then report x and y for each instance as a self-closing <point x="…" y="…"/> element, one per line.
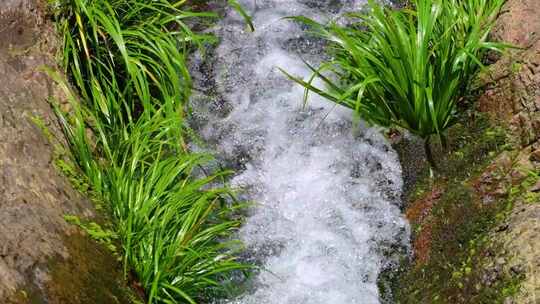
<point x="326" y="191"/>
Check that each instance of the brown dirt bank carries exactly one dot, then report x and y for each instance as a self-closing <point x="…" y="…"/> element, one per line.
<point x="476" y="227"/>
<point x="43" y="259"/>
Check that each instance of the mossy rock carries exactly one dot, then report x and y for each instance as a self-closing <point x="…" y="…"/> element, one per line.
<point x="43" y="259"/>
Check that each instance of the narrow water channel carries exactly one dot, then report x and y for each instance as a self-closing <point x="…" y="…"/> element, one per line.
<point x="326" y="192"/>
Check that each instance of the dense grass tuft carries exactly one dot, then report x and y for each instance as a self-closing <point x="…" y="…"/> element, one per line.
<point x="407" y="67"/>
<point x="124" y="124"/>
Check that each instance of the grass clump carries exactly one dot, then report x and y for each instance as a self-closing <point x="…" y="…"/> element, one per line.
<point x="126" y="60"/>
<point x="405" y="68"/>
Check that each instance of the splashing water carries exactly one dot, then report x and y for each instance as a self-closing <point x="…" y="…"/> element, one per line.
<point x="326" y="192"/>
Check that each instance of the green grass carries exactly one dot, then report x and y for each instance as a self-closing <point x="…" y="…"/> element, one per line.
<point x="405" y="68"/>
<point x="126" y="100"/>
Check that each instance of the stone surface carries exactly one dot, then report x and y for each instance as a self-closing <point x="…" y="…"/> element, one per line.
<point x="521" y="242"/>
<point x="513" y="99"/>
<point x="520" y="238"/>
<point x="36" y="243"/>
<point x="512" y="93"/>
<point x="519" y="24"/>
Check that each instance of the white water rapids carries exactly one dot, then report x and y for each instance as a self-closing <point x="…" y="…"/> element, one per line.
<point x="326" y="193"/>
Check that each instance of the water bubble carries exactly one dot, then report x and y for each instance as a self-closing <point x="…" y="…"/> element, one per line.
<point x="326" y="192"/>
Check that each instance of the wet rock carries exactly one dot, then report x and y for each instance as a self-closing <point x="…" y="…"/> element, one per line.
<point x="412" y="156"/>
<point x="326" y="5"/>
<point x="36" y="244"/>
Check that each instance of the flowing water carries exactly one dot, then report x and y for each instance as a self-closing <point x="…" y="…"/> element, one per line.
<point x="326" y="191"/>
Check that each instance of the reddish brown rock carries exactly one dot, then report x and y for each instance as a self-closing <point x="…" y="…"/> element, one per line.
<point x="519" y="23"/>
<point x="419" y="214"/>
<point x="512" y="98"/>
<point x="512" y="94"/>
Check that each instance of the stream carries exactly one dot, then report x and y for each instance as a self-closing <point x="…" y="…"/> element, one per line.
<point x="326" y="216"/>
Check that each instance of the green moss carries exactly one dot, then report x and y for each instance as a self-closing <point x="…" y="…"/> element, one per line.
<point x="90" y="275"/>
<point x="26" y="295"/>
<point x="459" y="245"/>
<point x="459" y="224"/>
<point x="104" y="236"/>
<point x="529" y="197"/>
<point x="472" y="144"/>
<point x="516" y="67"/>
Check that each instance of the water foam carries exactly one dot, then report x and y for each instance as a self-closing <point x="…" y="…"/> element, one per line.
<point x="326" y="192"/>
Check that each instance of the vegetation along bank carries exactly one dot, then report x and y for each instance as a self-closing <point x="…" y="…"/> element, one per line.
<point x="476" y="226"/>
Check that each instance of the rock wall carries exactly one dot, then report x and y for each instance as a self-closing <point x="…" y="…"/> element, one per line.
<point x="513" y="83"/>
<point x="512" y="99"/>
<point x="43" y="259"/>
